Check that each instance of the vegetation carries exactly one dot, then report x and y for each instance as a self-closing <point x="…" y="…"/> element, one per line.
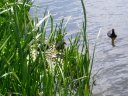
<point x="34" y="63"/>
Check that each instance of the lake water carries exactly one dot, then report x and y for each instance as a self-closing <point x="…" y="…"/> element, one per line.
<point x="111" y="63"/>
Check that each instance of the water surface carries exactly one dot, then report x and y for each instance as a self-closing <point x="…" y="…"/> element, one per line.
<point x="111" y="62"/>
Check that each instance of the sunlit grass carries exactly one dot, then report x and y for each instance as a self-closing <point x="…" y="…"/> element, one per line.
<point x="32" y="64"/>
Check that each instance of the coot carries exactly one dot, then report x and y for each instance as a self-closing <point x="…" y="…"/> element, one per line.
<point x="112" y="35"/>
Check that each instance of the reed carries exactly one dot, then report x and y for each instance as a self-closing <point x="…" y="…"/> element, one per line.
<point x="30" y="63"/>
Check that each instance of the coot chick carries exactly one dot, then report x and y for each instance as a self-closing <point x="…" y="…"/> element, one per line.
<point x="113" y="36"/>
<point x="60" y="45"/>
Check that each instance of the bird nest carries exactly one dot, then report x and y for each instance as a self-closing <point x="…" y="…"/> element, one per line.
<point x="52" y="54"/>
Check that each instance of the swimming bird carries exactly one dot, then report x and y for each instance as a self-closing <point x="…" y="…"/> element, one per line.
<point x="112" y="35"/>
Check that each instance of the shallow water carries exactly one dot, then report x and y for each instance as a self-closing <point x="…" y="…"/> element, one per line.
<point x="111" y="62"/>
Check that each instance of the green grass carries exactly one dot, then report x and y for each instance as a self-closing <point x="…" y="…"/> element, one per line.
<point x="28" y="68"/>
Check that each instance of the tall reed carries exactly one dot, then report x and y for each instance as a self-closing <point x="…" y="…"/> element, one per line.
<point x="31" y="65"/>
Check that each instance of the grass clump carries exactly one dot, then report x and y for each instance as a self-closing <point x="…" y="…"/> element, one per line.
<point x="33" y="63"/>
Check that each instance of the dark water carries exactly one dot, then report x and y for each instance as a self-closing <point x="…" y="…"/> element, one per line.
<point x="111" y="62"/>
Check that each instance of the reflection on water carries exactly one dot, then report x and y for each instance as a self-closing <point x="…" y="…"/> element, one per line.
<point x="112" y="79"/>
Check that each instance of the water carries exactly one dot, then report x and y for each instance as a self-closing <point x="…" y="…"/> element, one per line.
<point x="111" y="62"/>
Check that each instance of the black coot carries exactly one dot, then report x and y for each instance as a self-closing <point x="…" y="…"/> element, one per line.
<point x="112" y="35"/>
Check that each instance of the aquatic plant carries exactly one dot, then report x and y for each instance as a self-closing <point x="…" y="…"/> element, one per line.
<point x="30" y="61"/>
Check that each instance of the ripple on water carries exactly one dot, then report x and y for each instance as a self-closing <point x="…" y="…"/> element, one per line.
<point x="111" y="61"/>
